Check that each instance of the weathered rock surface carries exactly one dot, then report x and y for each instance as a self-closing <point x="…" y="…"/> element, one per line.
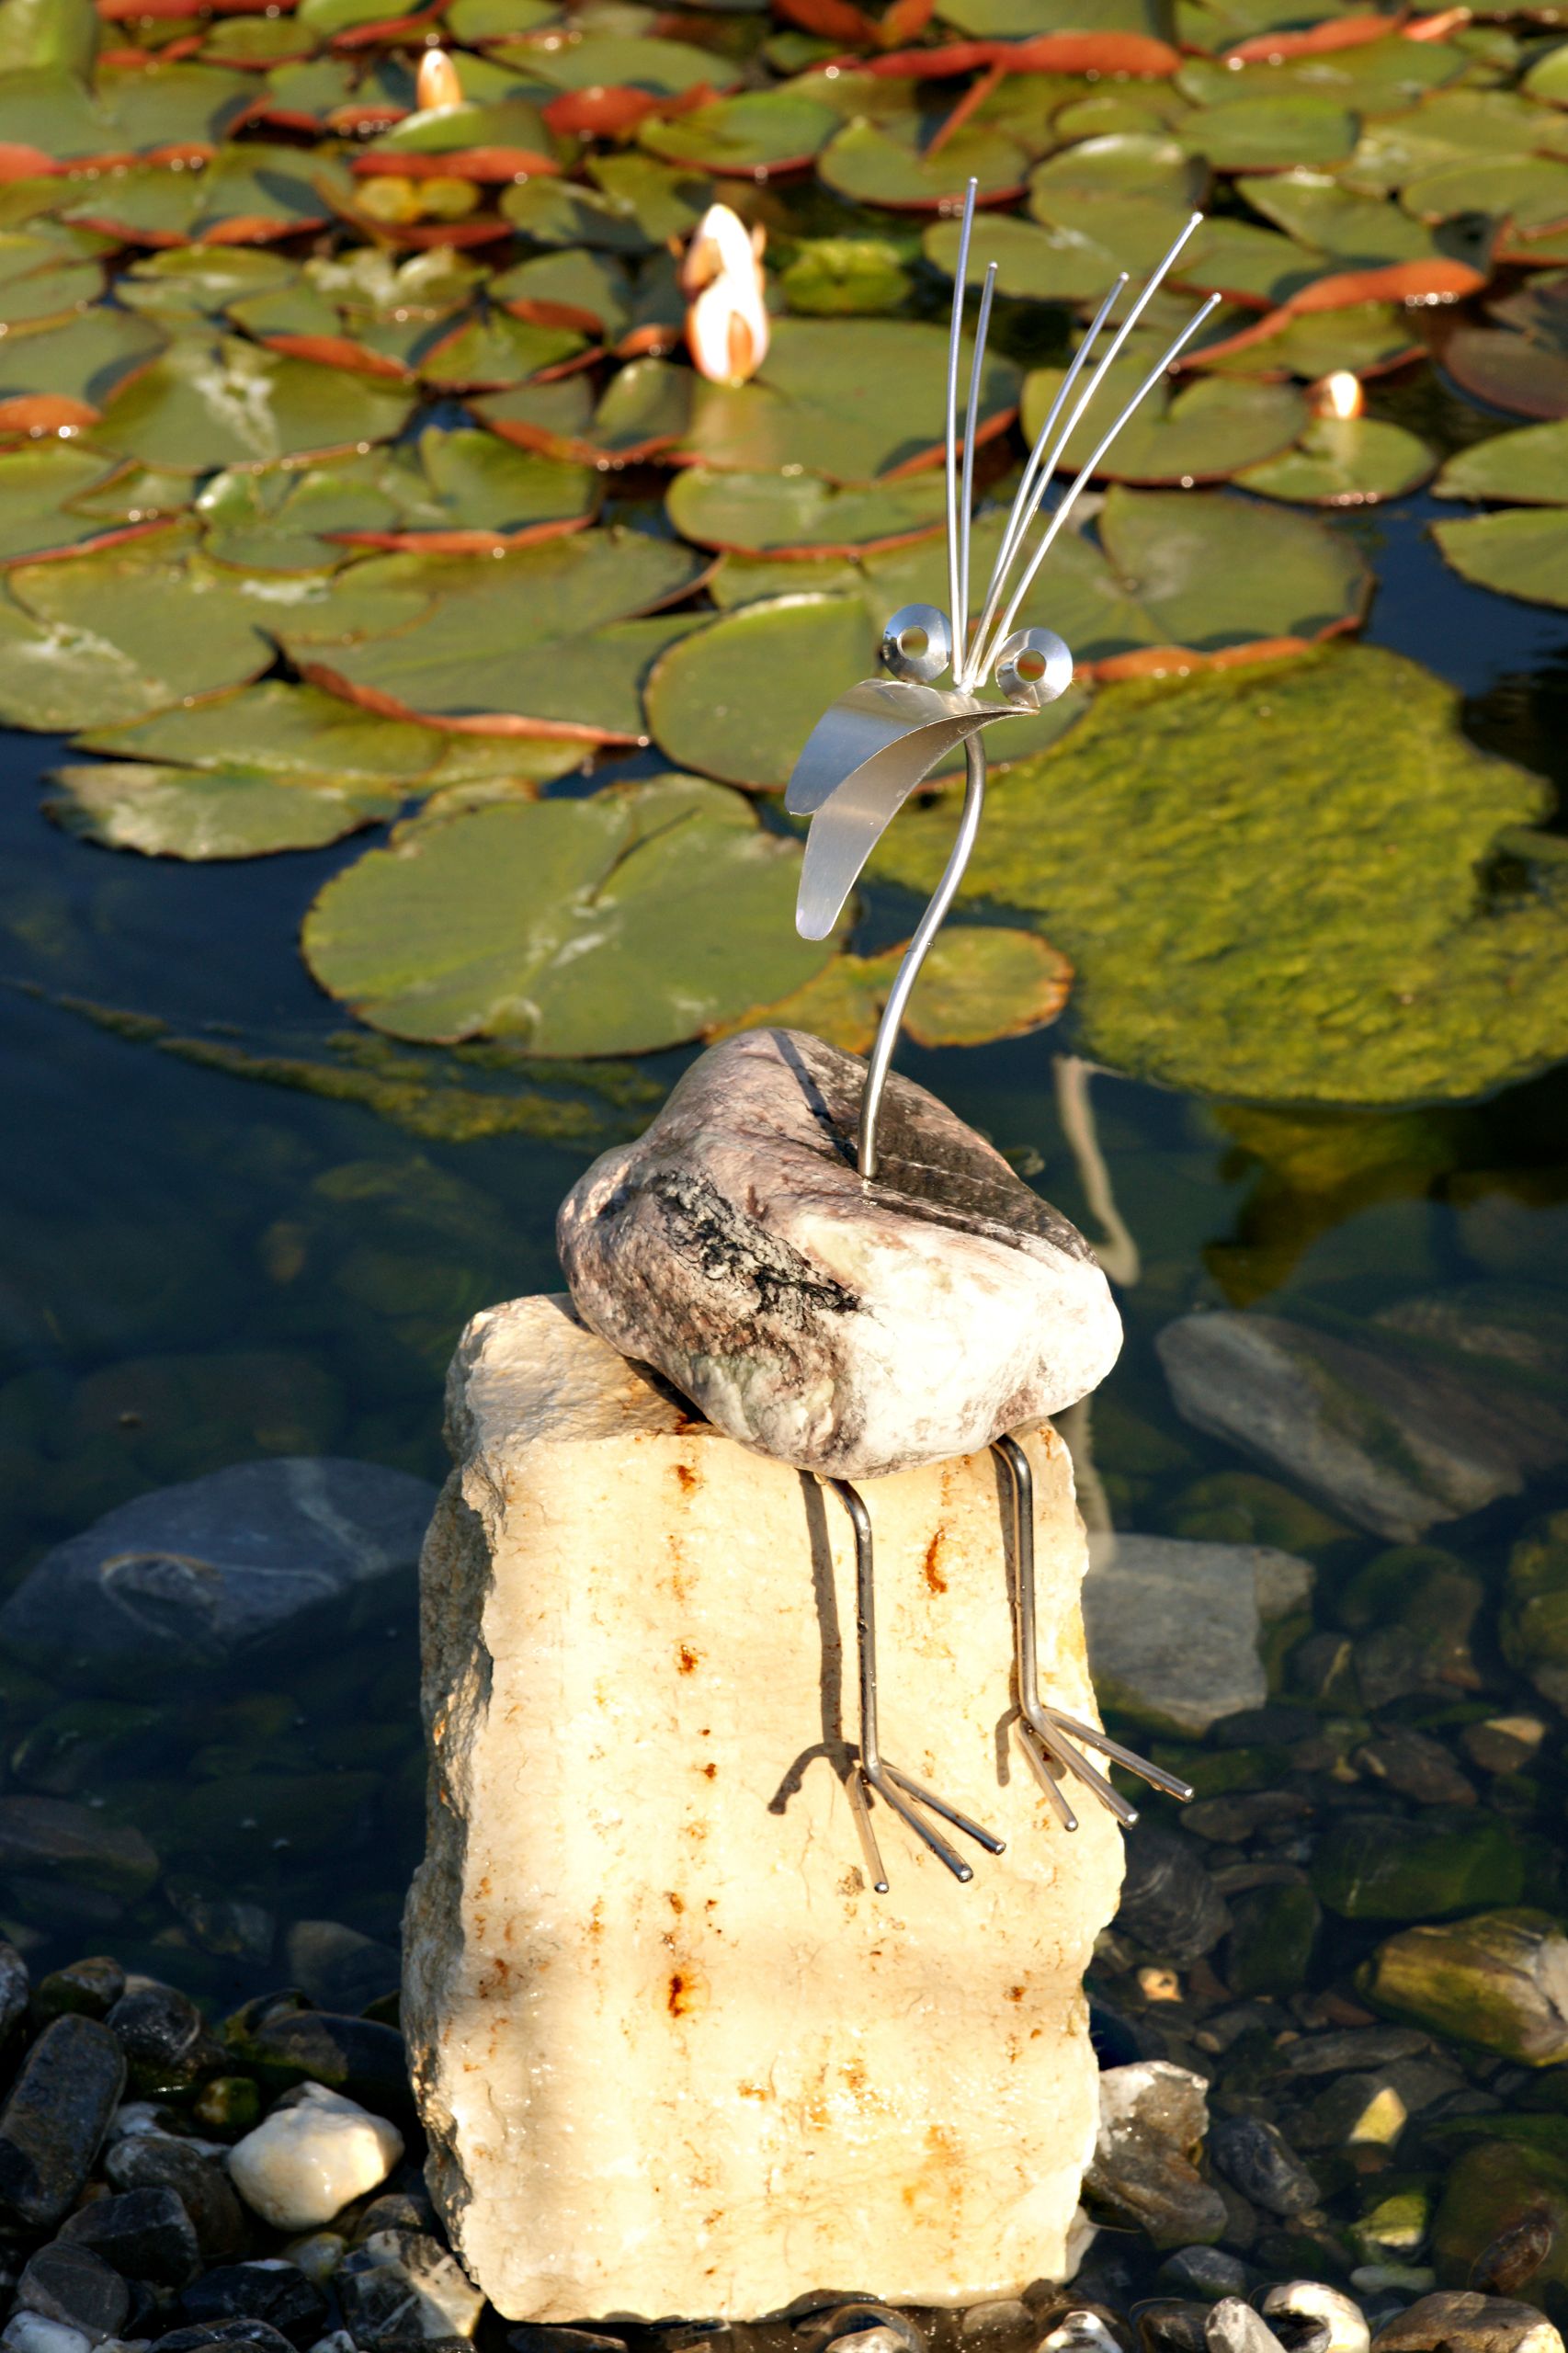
<point x="54" y="2119"/>
<point x="652" y="2003"/>
<point x="195" y="1572"/>
<point x="1152" y="2119"/>
<point x="1499" y="1979"/>
<point x="1395" y="1431"/>
<point x="1174" y="1627"/>
<point x="853" y="1329"/>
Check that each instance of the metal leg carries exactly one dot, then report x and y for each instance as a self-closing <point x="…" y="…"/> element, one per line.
<point x="1051" y="1740"/>
<point x="874" y="1772"/>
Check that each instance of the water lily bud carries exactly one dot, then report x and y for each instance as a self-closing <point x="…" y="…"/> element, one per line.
<point x="1339" y="395"/>
<point x="437" y="84"/>
<point x="726" y="317"/>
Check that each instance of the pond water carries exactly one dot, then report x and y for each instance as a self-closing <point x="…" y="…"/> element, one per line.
<point x="234" y="1225"/>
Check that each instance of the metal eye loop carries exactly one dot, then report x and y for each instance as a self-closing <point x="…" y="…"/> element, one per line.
<point x="1034" y="666"/>
<point x="917" y="644"/>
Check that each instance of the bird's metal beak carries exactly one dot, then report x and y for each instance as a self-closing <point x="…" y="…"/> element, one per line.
<point x="860" y="762"/>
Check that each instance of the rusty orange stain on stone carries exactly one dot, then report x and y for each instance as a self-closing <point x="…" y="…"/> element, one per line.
<point x="935" y="1581"/>
<point x="690" y="1660"/>
<point x="685" y="1476"/>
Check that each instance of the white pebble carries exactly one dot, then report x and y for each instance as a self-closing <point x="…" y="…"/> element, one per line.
<point x="303" y="2165"/>
<point x="27" y="2331"/>
<point x="318" y="2257"/>
<point x="1310" y="2300"/>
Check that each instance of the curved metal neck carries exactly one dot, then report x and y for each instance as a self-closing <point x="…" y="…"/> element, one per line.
<point x="914" y="956"/>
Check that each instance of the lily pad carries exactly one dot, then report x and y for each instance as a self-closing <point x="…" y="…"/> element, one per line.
<point x="1270" y="134"/>
<point x="1529" y="191"/>
<point x="1205" y="433"/>
<point x="847" y="277"/>
<point x="471" y="494"/>
<point x="223" y="402"/>
<point x="1526" y="467"/>
<point x="43" y="279"/>
<point x="481" y="142"/>
<point x="539" y="642"/>
<point x="1150" y="164"/>
<point x="1365" y="339"/>
<point x="786" y="514"/>
<point x="488" y="354"/>
<point x="758" y="132"/>
<point x="274" y="518"/>
<point x="186" y="285"/>
<point x="1358" y="233"/>
<point x="1522" y="363"/>
<point x="1344" y="461"/>
<point x="639" y="203"/>
<point x="280" y="729"/>
<point x="202" y="815"/>
<point x="1523" y="554"/>
<point x="1453" y="126"/>
<point x="851" y="399"/>
<point x="247" y="195"/>
<point x="889" y="163"/>
<point x="1248" y="262"/>
<point x="978" y="984"/>
<point x="1350" y="959"/>
<point x="92" y="640"/>
<point x="1548" y="77"/>
<point x="63" y="378"/>
<point x="1035" y="262"/>
<point x="615" y="61"/>
<point x="34" y="485"/>
<point x="589" y="292"/>
<point x="618" y="924"/>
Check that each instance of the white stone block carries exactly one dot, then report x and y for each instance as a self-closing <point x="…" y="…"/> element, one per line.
<point x="674" y="2055"/>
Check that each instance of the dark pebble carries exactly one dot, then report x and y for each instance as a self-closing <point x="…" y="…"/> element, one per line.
<point x="1203" y="2271"/>
<point x="55" y="1838"/>
<point x="156" y="2161"/>
<point x="164" y="2039"/>
<point x="144" y="2234"/>
<point x="1172" y="2327"/>
<point x="14" y="1988"/>
<point x="88" y="1988"/>
<point x="228" y="2332"/>
<point x="365" y="2061"/>
<point x="398" y="2210"/>
<point x="72" y="2284"/>
<point x="1168" y="1901"/>
<point x="277" y="2293"/>
<point x="55" y="2120"/>
<point x="1352" y="2048"/>
<point x="1261" y="2163"/>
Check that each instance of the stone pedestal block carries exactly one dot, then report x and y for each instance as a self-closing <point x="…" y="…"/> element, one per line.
<point x="674" y="2055"/>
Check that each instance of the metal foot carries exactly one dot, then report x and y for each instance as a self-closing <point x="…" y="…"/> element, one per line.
<point x="1051" y="1740"/>
<point x="909" y="1799"/>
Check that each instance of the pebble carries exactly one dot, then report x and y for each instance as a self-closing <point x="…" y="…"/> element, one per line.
<point x="55" y="1838"/>
<point x="73" y="2285"/>
<point x="272" y="2290"/>
<point x="304" y="2163"/>
<point x="1499" y="1979"/>
<point x="1234" y="2327"/>
<point x="14" y="1988"/>
<point x="1331" y="2321"/>
<point x="339" y="1967"/>
<point x="143" y="2233"/>
<point x="403" y="2284"/>
<point x="1461" y="2321"/>
<point x="54" y="2119"/>
<point x="1168" y="1901"/>
<point x="537" y="2336"/>
<point x="1205" y="2272"/>
<point x="359" y="2057"/>
<point x="1261" y="2163"/>
<point x="157" y="2160"/>
<point x="89" y="1987"/>
<point x="242" y="2332"/>
<point x="164" y="2036"/>
<point x="1174" y="1629"/>
<point x="28" y="2332"/>
<point x="1416" y="1766"/>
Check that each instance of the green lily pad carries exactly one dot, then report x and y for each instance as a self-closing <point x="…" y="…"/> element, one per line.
<point x="1047" y="262"/>
<point x="849" y="398"/>
<point x="202" y="814"/>
<point x="1146" y="163"/>
<point x="34" y="485"/>
<point x="468" y="491"/>
<point x="540" y="636"/>
<point x="593" y="61"/>
<point x="847" y="277"/>
<point x="248" y="194"/>
<point x="591" y="292"/>
<point x="223" y="402"/>
<point x="618" y="924"/>
<point x="184" y="285"/>
<point x="1344" y="461"/>
<point x="1530" y="191"/>
<point x="257" y="43"/>
<point x="1018" y="19"/>
<point x="162" y="105"/>
<point x="1151" y="105"/>
<point x="1523" y="554"/>
<point x="1353" y="232"/>
<point x="133" y="495"/>
<point x="1526" y="467"/>
<point x="1365" y="339"/>
<point x="1370" y="77"/>
<point x="978" y="984"/>
<point x="91" y="640"/>
<point x="64" y="375"/>
<point x="509" y="126"/>
<point x="1205" y="432"/>
<point x="638" y="204"/>
<point x="1548" y="77"/>
<point x="62" y="34"/>
<point x="472" y="21"/>
<point x="1273" y="133"/>
<point x="42" y="279"/>
<point x="1257" y="265"/>
<point x="773" y="514"/>
<point x="1453" y="126"/>
<point x="887" y="163"/>
<point x="1350" y="959"/>
<point x="756" y="133"/>
<point x="274" y="518"/>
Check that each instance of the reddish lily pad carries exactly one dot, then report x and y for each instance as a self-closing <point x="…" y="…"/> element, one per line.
<point x="1344" y="461"/>
<point x="616" y="925"/>
<point x="224" y="402"/>
<point x="851" y="399"/>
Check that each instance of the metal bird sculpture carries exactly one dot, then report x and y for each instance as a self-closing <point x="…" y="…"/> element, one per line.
<point x="870" y="748"/>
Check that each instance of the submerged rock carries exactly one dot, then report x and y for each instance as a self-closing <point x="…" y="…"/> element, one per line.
<point x="1499" y="1979"/>
<point x="1142" y="2175"/>
<point x="195" y="1572"/>
<point x="1465" y="2322"/>
<point x="1395" y="1867"/>
<point x="1174" y="1628"/>
<point x="1504" y="2210"/>
<point x="850" y="1328"/>
<point x="143" y="2234"/>
<point x="52" y="1837"/>
<point x="402" y="2286"/>
<point x="1168" y="1901"/>
<point x="1393" y="1436"/>
<point x="1260" y="2162"/>
<point x="1535" y="1616"/>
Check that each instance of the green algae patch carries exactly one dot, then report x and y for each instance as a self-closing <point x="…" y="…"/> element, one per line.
<point x="1274" y="884"/>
